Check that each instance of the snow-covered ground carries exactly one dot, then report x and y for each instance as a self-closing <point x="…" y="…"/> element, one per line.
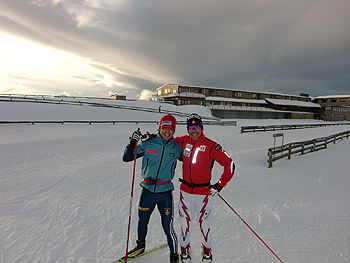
<point x="64" y="191"/>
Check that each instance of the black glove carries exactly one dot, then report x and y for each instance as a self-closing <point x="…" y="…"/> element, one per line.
<point x="214" y="189"/>
<point x="135" y="137"/>
<point x="148" y="136"/>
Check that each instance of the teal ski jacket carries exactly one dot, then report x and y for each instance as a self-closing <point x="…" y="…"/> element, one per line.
<point x="158" y="162"/>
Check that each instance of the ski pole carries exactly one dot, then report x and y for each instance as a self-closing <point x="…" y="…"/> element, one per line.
<point x="130" y="207"/>
<point x="249" y="226"/>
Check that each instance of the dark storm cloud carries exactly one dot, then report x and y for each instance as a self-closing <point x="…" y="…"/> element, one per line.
<point x="281" y="46"/>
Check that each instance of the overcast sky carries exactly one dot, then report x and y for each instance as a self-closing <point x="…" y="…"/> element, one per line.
<point x="103" y="47"/>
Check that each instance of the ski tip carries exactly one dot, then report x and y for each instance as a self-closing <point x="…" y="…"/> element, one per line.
<point x="120" y="260"/>
<point x="143" y="254"/>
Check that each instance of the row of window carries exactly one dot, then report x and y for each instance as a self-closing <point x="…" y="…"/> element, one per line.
<point x="332" y="100"/>
<point x="166" y="91"/>
<point x="211" y="92"/>
<point x="234" y="94"/>
<point x="228" y="103"/>
<point x="188" y="102"/>
<point x="224" y="103"/>
<point x="337" y="109"/>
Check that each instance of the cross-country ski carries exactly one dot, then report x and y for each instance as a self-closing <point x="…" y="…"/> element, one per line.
<point x="144" y="254"/>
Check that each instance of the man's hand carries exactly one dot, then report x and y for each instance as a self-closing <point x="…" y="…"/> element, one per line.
<point x="135" y="137"/>
<point x="214" y="189"/>
<point x="148" y="136"/>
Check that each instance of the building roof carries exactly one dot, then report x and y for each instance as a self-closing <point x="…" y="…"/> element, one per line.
<point x="237" y="90"/>
<point x="332" y="96"/>
<point x="294" y="103"/>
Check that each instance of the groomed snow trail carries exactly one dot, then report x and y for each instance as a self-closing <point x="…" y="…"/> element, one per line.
<point x="64" y="197"/>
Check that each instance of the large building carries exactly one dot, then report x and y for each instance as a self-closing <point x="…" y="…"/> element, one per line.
<point x="334" y="107"/>
<point x="117" y="97"/>
<point x="233" y="104"/>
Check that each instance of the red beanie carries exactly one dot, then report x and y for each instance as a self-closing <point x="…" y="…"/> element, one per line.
<point x="168" y="120"/>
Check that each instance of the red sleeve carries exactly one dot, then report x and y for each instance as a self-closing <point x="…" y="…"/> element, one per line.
<point x="220" y="156"/>
<point x="179" y="140"/>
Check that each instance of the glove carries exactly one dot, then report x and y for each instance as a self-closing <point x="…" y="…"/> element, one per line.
<point x="135" y="137"/>
<point x="214" y="189"/>
<point x="148" y="136"/>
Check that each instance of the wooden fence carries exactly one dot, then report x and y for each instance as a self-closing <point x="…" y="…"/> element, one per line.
<point x="304" y="147"/>
<point x="207" y="120"/>
<point x="220" y="123"/>
<point x="103" y="103"/>
<point x="287" y="127"/>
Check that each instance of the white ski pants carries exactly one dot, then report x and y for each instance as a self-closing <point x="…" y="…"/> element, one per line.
<point x="189" y="205"/>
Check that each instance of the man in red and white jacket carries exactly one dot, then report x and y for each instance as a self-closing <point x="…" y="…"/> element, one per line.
<point x="196" y="190"/>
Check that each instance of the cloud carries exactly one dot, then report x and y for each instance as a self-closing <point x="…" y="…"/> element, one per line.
<point x="146" y="94"/>
<point x="42" y="3"/>
<point x="86" y="19"/>
<point x="17" y="88"/>
<point x="319" y="35"/>
<point x="128" y="46"/>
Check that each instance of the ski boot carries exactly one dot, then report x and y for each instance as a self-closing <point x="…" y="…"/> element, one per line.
<point x="138" y="250"/>
<point x="206" y="255"/>
<point x="186" y="258"/>
<point x="174" y="258"/>
<point x="207" y="258"/>
<point x="186" y="254"/>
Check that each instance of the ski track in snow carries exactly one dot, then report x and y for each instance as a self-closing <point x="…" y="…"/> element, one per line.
<point x="65" y="192"/>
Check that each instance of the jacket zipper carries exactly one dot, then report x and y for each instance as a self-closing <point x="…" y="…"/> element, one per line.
<point x="193" y="147"/>
<point x="161" y="160"/>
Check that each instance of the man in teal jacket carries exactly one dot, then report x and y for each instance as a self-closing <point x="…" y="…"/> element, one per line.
<point x="160" y="155"/>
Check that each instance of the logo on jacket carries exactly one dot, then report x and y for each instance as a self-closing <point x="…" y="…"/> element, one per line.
<point x="202" y="148"/>
<point x="187" y="150"/>
<point x="152" y="151"/>
<point x="218" y="147"/>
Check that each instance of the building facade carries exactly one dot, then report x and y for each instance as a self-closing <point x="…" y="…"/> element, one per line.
<point x="334" y="107"/>
<point x="231" y="104"/>
<point x="117" y="97"/>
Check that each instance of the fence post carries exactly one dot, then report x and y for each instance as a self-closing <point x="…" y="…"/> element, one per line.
<point x="329" y="139"/>
<point x="290" y="151"/>
<point x="270" y="158"/>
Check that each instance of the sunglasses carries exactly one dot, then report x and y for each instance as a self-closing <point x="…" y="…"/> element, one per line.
<point x="196" y="127"/>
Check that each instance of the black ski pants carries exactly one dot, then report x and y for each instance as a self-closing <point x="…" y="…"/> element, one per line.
<point x="165" y="204"/>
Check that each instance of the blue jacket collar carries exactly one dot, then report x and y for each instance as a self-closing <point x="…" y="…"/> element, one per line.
<point x="160" y="138"/>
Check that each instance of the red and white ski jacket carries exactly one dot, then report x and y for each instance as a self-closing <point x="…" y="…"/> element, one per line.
<point x="198" y="160"/>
